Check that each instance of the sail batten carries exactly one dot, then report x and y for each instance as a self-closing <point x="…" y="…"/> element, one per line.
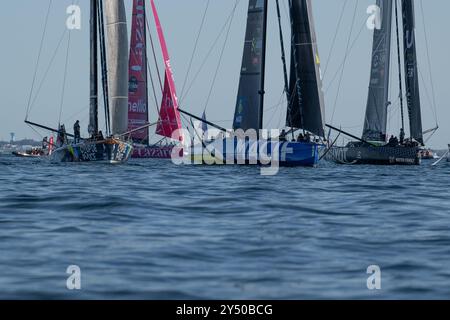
<point x="411" y="71"/>
<point x="117" y="52"/>
<point x="250" y="100"/>
<point x="306" y="108"/>
<point x="138" y="113"/>
<point x="375" y="123"/>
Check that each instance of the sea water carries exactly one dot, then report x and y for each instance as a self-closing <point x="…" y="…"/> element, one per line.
<point x="153" y="230"/>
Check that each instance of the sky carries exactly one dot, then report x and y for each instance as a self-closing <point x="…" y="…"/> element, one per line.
<point x="21" y="29"/>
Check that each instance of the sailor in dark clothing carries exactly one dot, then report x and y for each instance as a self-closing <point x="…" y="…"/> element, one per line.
<point x="393" y="141"/>
<point x="402" y="136"/>
<point x="61" y="140"/>
<point x="77" y="131"/>
<point x="44" y="143"/>
<point x="283" y="136"/>
<point x="100" y="135"/>
<point x="300" y="138"/>
<point x="307" y="137"/>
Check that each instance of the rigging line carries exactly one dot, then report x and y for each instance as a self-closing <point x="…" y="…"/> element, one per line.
<point x="64" y="79"/>
<point x="154" y="55"/>
<point x="149" y="69"/>
<point x="334" y="38"/>
<point x="39" y="56"/>
<point x="82" y="110"/>
<point x="50" y="65"/>
<point x="36" y="131"/>
<point x="221" y="57"/>
<point x="195" y="48"/>
<point x="429" y="61"/>
<point x="345" y="60"/>
<point x="427" y="94"/>
<point x="276" y="107"/>
<point x="153" y="86"/>
<point x="205" y="59"/>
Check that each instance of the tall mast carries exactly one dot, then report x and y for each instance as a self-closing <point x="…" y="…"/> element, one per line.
<point x="411" y="71"/>
<point x="101" y="27"/>
<point x="93" y="111"/>
<point x="283" y="58"/>
<point x="295" y="67"/>
<point x="400" y="78"/>
<point x="262" y="90"/>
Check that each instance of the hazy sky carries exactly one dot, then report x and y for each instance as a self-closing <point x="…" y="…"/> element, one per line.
<point x="21" y="25"/>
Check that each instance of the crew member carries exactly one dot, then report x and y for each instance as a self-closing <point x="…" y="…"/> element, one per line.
<point x="77" y="131"/>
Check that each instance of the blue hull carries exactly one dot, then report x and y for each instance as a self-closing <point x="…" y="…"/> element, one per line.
<point x="289" y="154"/>
<point x="300" y="155"/>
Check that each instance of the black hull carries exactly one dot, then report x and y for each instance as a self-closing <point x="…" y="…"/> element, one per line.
<point x="383" y="155"/>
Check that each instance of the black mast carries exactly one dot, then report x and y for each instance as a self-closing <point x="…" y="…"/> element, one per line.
<point x="295" y="63"/>
<point x="93" y="111"/>
<point x="263" y="70"/>
<point x="283" y="58"/>
<point x="101" y="27"/>
<point x="400" y="73"/>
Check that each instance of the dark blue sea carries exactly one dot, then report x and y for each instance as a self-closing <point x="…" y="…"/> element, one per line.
<point x="153" y="230"/>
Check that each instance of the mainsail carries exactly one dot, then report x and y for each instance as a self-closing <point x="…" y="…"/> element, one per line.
<point x="306" y="108"/>
<point x="137" y="88"/>
<point x="169" y="117"/>
<point x="378" y="100"/>
<point x="411" y="71"/>
<point x="250" y="100"/>
<point x="117" y="64"/>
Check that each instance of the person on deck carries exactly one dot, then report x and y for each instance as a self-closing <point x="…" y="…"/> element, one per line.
<point x="77" y="131"/>
<point x="44" y="143"/>
<point x="61" y="140"/>
<point x="100" y="136"/>
<point x="300" y="137"/>
<point x="307" y="137"/>
<point x="402" y="136"/>
<point x="283" y="136"/>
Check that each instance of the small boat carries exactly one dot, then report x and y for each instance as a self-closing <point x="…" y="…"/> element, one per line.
<point x="138" y="98"/>
<point x="108" y="32"/>
<point x="427" y="154"/>
<point x="30" y="153"/>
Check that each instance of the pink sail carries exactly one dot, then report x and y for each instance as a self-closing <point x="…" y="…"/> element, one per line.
<point x="169" y="117"/>
<point x="137" y="92"/>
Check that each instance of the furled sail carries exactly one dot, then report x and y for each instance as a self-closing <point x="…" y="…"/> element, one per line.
<point x="169" y="117"/>
<point x="117" y="45"/>
<point x="137" y="87"/>
<point x="378" y="100"/>
<point x="411" y="71"/>
<point x="250" y="100"/>
<point x="306" y="108"/>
